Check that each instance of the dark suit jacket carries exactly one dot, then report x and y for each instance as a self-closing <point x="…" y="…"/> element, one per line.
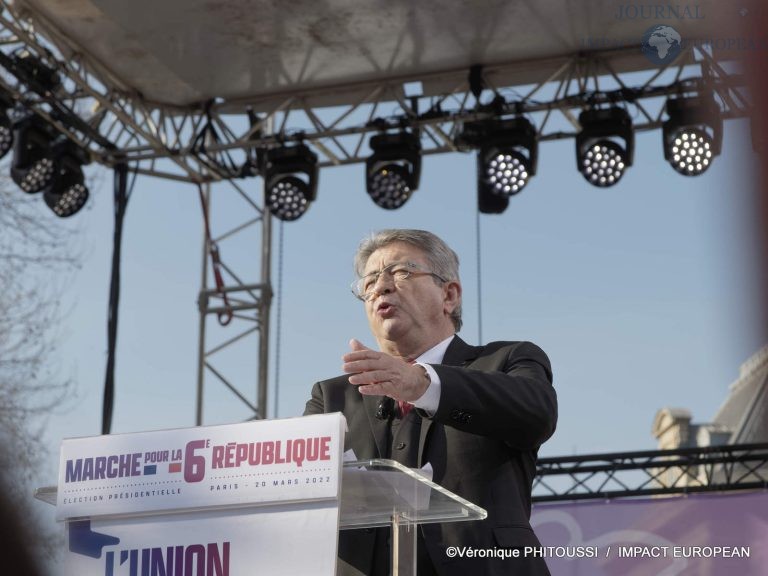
<point x="497" y="406"/>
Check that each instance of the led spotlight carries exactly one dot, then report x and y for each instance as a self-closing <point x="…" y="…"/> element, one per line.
<point x="693" y="134"/>
<point x="507" y="158"/>
<point x="487" y="201"/>
<point x="290" y="174"/>
<point x="691" y="151"/>
<point x="32" y="167"/>
<point x="287" y="198"/>
<point x="506" y="172"/>
<point x="604" y="146"/>
<point x="394" y="169"/>
<point x="67" y="193"/>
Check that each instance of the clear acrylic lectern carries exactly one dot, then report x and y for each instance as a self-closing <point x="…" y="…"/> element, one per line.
<point x="376" y="493"/>
<point x="380" y="493"/>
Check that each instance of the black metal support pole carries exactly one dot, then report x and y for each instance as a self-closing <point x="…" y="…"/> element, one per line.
<point x="120" y="202"/>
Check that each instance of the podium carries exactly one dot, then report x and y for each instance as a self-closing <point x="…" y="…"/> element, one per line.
<point x="213" y="510"/>
<point x="380" y="493"/>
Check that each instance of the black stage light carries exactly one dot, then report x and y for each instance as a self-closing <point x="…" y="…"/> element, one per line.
<point x="507" y="158"/>
<point x="693" y="134"/>
<point x="394" y="169"/>
<point x="32" y="167"/>
<point x="605" y="146"/>
<point x="290" y="174"/>
<point x="67" y="192"/>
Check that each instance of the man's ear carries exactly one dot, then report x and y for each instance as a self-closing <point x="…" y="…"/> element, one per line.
<point x="451" y="296"/>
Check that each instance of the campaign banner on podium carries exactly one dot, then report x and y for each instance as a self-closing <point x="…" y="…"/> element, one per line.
<point x="278" y="540"/>
<point x="209" y="501"/>
<point x="290" y="460"/>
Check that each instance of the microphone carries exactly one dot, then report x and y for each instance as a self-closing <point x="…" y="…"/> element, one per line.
<point x="386" y="409"/>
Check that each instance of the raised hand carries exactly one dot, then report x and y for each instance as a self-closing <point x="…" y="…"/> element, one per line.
<point x="378" y="373"/>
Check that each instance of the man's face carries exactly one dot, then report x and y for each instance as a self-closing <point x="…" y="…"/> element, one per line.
<point x="414" y="312"/>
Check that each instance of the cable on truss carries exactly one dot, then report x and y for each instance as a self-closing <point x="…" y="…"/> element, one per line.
<point x="224" y="316"/>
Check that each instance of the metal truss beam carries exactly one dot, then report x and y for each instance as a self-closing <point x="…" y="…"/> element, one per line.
<point x="214" y="141"/>
<point x="651" y="473"/>
<point x="242" y="308"/>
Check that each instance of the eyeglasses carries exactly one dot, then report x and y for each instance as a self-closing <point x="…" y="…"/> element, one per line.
<point x="396" y="272"/>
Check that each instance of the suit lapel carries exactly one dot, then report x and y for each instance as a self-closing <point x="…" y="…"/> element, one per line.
<point x="458" y="353"/>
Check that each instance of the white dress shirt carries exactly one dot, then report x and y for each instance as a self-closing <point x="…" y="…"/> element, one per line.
<point x="430" y="400"/>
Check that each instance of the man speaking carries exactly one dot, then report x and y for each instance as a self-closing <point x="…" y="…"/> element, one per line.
<point x="476" y="414"/>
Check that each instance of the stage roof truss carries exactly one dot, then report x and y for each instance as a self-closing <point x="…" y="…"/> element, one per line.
<point x="162" y="123"/>
<point x="216" y="140"/>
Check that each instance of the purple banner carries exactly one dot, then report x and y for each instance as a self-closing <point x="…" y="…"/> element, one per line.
<point x="695" y="535"/>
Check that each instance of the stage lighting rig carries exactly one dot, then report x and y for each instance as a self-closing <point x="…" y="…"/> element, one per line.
<point x="290" y="173"/>
<point x="393" y="171"/>
<point x="67" y="193"/>
<point x="506" y="160"/>
<point x="693" y="134"/>
<point x="605" y="145"/>
<point x="32" y="167"/>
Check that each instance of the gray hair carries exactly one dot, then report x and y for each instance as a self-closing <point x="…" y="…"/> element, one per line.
<point x="442" y="260"/>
